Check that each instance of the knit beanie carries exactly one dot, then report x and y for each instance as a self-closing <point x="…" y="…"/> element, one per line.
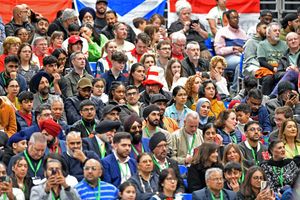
<point x="156" y="139"/>
<point x="51" y="127"/>
<point x="130" y="120"/>
<point x="149" y="109"/>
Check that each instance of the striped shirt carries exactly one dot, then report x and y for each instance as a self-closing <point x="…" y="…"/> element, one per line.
<point x="86" y="192"/>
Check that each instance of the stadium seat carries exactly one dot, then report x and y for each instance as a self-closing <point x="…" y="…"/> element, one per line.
<point x="186" y="196"/>
<point x="93" y="66"/>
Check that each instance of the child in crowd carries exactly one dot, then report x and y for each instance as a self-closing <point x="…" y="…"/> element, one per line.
<point x="243" y="112"/>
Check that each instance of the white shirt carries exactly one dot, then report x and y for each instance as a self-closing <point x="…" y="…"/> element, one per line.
<point x="124" y="168"/>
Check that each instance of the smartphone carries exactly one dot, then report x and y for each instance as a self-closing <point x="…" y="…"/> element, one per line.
<point x="4" y="178"/>
<point x="263" y="185"/>
<point x="291" y="95"/>
<point x="53" y="172"/>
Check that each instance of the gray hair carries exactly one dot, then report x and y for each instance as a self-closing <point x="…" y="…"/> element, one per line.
<point x="68" y="14"/>
<point x="74" y="54"/>
<point x="189" y="45"/>
<point x="182" y="4"/>
<point x="289" y="34"/>
<point x="193" y="115"/>
<point x="177" y="36"/>
<point x="37" y="39"/>
<point x="38" y="137"/>
<point x="270" y="27"/>
<point x="56" y="98"/>
<point x="212" y="170"/>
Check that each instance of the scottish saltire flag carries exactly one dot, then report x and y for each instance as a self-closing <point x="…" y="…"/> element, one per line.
<point x="127" y="10"/>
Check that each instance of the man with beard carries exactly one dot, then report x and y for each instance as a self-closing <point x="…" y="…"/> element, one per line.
<point x="111" y="19"/>
<point x="265" y="17"/>
<point x="75" y="157"/>
<point x="290" y="23"/>
<point x="166" y="123"/>
<point x="89" y="187"/>
<point x="39" y="85"/>
<point x="153" y="85"/>
<point x="253" y="151"/>
<point x="118" y="167"/>
<point x="88" y="122"/>
<point x="102" y="140"/>
<point x="250" y="63"/>
<point x="133" y="125"/>
<point x="193" y="63"/>
<point x="41" y="28"/>
<point x="121" y="32"/>
<point x="100" y="21"/>
<point x="11" y="72"/>
<point x="51" y="130"/>
<point x="158" y="146"/>
<point x="269" y="53"/>
<point x="72" y="104"/>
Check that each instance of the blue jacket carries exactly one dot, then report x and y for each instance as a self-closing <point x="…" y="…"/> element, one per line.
<point x="145" y="143"/>
<point x="205" y="194"/>
<point x="230" y="139"/>
<point x="111" y="171"/>
<point x="75" y="167"/>
<point x="21" y="121"/>
<point x="109" y="78"/>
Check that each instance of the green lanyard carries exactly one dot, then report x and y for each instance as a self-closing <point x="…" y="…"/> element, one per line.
<point x="158" y="165"/>
<point x="102" y="149"/>
<point x="214" y="198"/>
<point x="4" y="196"/>
<point x="86" y="129"/>
<point x="190" y="147"/>
<point x="122" y="172"/>
<point x="99" y="190"/>
<point x="53" y="196"/>
<point x="275" y="169"/>
<point x="147" y="131"/>
<point x="135" y="151"/>
<point x="221" y="16"/>
<point x="254" y="156"/>
<point x="31" y="165"/>
<point x="3" y="78"/>
<point x="241" y="180"/>
<point x="233" y="138"/>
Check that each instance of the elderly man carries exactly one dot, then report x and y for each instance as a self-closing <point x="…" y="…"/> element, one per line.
<point x="178" y="42"/>
<point x="186" y="139"/>
<point x="269" y="53"/>
<point x="34" y="155"/>
<point x="40" y="50"/>
<point x="88" y="188"/>
<point x="290" y="23"/>
<point x="215" y="187"/>
<point x="20" y="20"/>
<point x="68" y="17"/>
<point x="193" y="64"/>
<point x="75" y="157"/>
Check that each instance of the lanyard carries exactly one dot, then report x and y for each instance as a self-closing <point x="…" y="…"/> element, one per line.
<point x="190" y="147"/>
<point x="275" y="169"/>
<point x="4" y="196"/>
<point x="99" y="190"/>
<point x="221" y="15"/>
<point x="214" y="198"/>
<point x="53" y="196"/>
<point x="158" y="165"/>
<point x="31" y="165"/>
<point x="147" y="131"/>
<point x="254" y="156"/>
<point x="241" y="180"/>
<point x="86" y="129"/>
<point x="233" y="138"/>
<point x="135" y="151"/>
<point x="122" y="172"/>
<point x="102" y="149"/>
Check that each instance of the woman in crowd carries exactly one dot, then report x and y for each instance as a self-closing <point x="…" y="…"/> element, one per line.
<point x="19" y="176"/>
<point x="280" y="171"/>
<point x="192" y="86"/>
<point x="210" y="134"/>
<point x="61" y="56"/>
<point x="288" y="133"/>
<point x="226" y="125"/>
<point x="209" y="91"/>
<point x="117" y="93"/>
<point x="154" y="35"/>
<point x="178" y="110"/>
<point x="26" y="68"/>
<point x="127" y="191"/>
<point x="95" y="41"/>
<point x="12" y="90"/>
<point x="251" y="188"/>
<point x="137" y="76"/>
<point x="148" y="60"/>
<point x="23" y="34"/>
<point x="104" y="63"/>
<point x="203" y="108"/>
<point x="98" y="89"/>
<point x="174" y="74"/>
<point x="167" y="185"/>
<point x="159" y="21"/>
<point x="205" y="157"/>
<point x="56" y="41"/>
<point x="145" y="181"/>
<point x="217" y="66"/>
<point x="11" y="46"/>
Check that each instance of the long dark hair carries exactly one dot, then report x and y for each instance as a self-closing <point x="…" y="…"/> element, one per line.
<point x="246" y="188"/>
<point x="162" y="177"/>
<point x="95" y="35"/>
<point x="132" y="70"/>
<point x="203" y="86"/>
<point x="203" y="152"/>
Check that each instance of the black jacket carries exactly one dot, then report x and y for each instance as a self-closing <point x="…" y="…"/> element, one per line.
<point x="57" y="25"/>
<point x="145" y="98"/>
<point x="91" y="144"/>
<point x="189" y="69"/>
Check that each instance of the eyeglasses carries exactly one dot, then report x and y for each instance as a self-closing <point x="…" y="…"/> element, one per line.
<point x="93" y="168"/>
<point x="165" y="48"/>
<point x="217" y="179"/>
<point x="255" y="129"/>
<point x="258" y="178"/>
<point x="131" y="93"/>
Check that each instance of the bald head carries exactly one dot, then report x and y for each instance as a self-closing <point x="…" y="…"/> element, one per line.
<point x="20" y="13"/>
<point x="93" y="162"/>
<point x="293" y="41"/>
<point x="92" y="171"/>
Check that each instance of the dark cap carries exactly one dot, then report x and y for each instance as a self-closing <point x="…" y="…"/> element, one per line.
<point x="265" y="13"/>
<point x="149" y="109"/>
<point x="158" y="97"/>
<point x="104" y="1"/>
<point x="15" y="138"/>
<point x="107" y="109"/>
<point x="284" y="86"/>
<point x="36" y="79"/>
<point x="287" y="18"/>
<point x="156" y="139"/>
<point x="107" y="125"/>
